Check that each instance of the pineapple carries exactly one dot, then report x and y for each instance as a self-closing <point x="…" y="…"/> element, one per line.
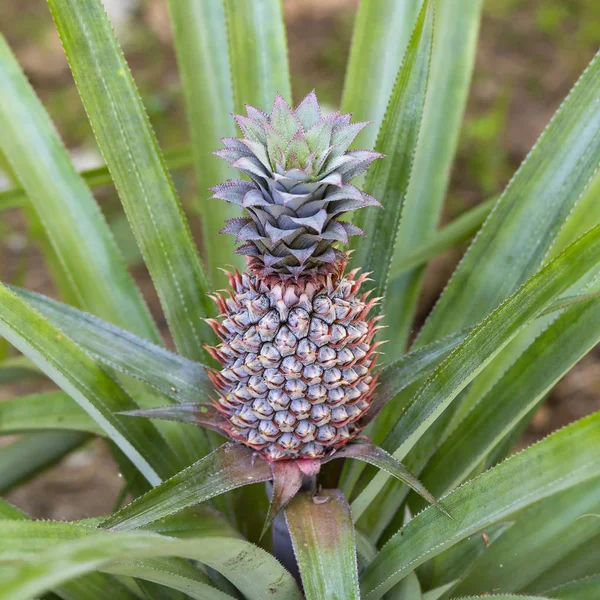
<point x="297" y="349"/>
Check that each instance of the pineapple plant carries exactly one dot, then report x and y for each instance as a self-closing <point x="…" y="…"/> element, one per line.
<point x="232" y="435"/>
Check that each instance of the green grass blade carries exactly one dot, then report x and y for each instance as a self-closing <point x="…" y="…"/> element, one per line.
<point x="456" y="30"/>
<point x="171" y="374"/>
<point x="84" y="549"/>
<point x="257" y="53"/>
<point x="23" y="459"/>
<point x="388" y="179"/>
<point x="542" y="536"/>
<point x="87" y="383"/>
<point x="200" y="36"/>
<point x="323" y="539"/>
<point x="536" y="371"/>
<point x="561" y="461"/>
<point x="70" y="216"/>
<point x="228" y="467"/>
<point x="129" y="146"/>
<point x="484" y="342"/>
<point x="50" y="410"/>
<point x="538" y="200"/>
<point x="382" y="29"/>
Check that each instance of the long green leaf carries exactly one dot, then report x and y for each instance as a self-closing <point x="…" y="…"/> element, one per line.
<point x="71" y="218"/>
<point x="456" y="30"/>
<point x="200" y="36"/>
<point x="229" y="467"/>
<point x="169" y="373"/>
<point x="552" y="355"/>
<point x="52" y="410"/>
<point x="578" y="564"/>
<point x="540" y="537"/>
<point x="388" y="179"/>
<point x="537" y="200"/>
<point x="134" y="159"/>
<point x="85" y="381"/>
<point x="246" y="566"/>
<point x="583" y="589"/>
<point x="30" y="454"/>
<point x="257" y="53"/>
<point x="95" y="586"/>
<point x="323" y="539"/>
<point x="449" y="567"/>
<point x="382" y="29"/>
<point x="461" y="229"/>
<point x="482" y="344"/>
<point x="392" y="380"/>
<point x="176" y="158"/>
<point x="561" y="461"/>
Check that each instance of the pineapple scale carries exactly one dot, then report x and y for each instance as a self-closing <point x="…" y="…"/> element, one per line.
<point x="297" y="360"/>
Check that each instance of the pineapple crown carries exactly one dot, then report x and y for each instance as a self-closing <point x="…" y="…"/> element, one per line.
<point x="299" y="170"/>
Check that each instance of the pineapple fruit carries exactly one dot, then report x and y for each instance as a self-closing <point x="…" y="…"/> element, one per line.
<point x="297" y="349"/>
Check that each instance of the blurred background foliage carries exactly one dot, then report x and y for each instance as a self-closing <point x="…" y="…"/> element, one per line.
<point x="530" y="54"/>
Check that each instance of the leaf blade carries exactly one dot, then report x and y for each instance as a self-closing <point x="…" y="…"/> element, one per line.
<point x="121" y="125"/>
<point x="199" y="33"/>
<point x="78" y="375"/>
<point x="323" y="539"/>
<point x="484" y="342"/>
<point x="388" y="179"/>
<point x="257" y="53"/>
<point x="75" y="226"/>
<point x="227" y="468"/>
<point x="568" y="460"/>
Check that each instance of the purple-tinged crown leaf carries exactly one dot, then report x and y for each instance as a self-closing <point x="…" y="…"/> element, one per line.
<point x="299" y="170"/>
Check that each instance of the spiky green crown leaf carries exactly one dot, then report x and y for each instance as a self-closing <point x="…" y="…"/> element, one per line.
<point x="299" y="168"/>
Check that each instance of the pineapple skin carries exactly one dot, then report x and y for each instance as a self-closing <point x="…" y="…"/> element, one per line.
<point x="298" y="359"/>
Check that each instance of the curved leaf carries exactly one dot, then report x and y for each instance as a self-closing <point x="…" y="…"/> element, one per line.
<point x="85" y="381"/>
<point x="323" y="539"/>
<point x="228" y="467"/>
<point x="245" y="565"/>
<point x="388" y="179"/>
<point x="257" y="53"/>
<point x="561" y="461"/>
<point x="481" y="345"/>
<point x="173" y="375"/>
<point x="540" y="537"/>
<point x="129" y="146"/>
<point x="70" y="216"/>
<point x="456" y="30"/>
<point x="538" y="199"/>
<point x="552" y="355"/>
<point x="200" y="37"/>
<point x="382" y="28"/>
<point x="51" y="410"/>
